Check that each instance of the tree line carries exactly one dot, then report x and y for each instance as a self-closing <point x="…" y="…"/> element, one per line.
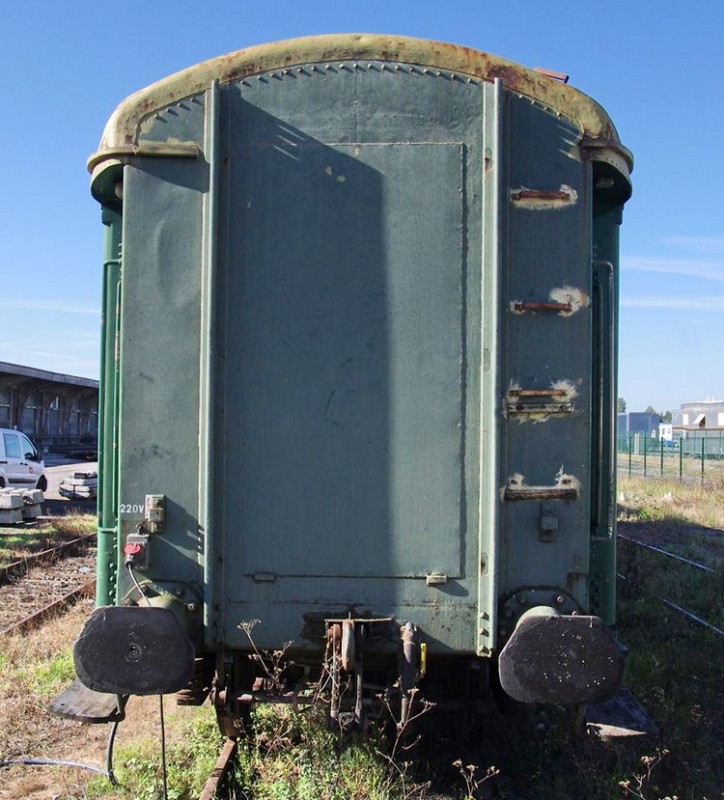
<point x="664" y="416"/>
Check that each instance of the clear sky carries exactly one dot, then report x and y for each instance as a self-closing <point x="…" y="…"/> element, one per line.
<point x="655" y="66"/>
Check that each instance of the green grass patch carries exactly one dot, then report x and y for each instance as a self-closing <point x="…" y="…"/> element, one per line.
<point x="192" y="750"/>
<point x="294" y="756"/>
<point x="18" y="543"/>
<point x="49" y="677"/>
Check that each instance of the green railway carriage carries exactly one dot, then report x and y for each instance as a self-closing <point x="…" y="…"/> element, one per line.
<point x="359" y="374"/>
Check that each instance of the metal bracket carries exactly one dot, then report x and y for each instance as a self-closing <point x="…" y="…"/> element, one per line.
<point x="154" y="514"/>
<point x="550" y="402"/>
<point x="548" y="522"/>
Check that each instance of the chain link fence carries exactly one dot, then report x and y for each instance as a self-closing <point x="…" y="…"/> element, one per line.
<point x="698" y="456"/>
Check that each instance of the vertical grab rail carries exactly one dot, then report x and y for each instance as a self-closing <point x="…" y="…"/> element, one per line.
<point x="208" y="433"/>
<point x="603" y="453"/>
<point x="107" y="562"/>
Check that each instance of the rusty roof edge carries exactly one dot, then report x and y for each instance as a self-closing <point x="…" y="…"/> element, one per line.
<point x="123" y="126"/>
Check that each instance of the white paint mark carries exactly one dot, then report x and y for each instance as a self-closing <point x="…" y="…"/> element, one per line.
<point x="575" y="298"/>
<point x="544" y="199"/>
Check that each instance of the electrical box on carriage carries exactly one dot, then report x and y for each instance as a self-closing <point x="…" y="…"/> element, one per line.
<point x="359" y="339"/>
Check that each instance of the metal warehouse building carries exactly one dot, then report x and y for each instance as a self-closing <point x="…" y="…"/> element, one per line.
<point x="58" y="412"/>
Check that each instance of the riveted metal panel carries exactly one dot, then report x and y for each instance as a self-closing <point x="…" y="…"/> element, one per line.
<point x="356" y="341"/>
<point x="546" y="352"/>
<point x="352" y="342"/>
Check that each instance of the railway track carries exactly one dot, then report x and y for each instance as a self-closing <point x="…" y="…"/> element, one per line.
<point x="219" y="772"/>
<point x="37" y="587"/>
<point x="690" y="615"/>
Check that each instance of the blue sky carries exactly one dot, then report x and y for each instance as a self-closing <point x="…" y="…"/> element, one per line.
<point x="655" y="67"/>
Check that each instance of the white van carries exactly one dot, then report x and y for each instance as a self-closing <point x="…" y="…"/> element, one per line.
<point x="21" y="465"/>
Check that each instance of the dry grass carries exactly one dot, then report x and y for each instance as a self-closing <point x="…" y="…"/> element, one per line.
<point x="18" y="542"/>
<point x="34" y="668"/>
<point x="27" y="729"/>
<point x="669" y="500"/>
<point x="73" y="524"/>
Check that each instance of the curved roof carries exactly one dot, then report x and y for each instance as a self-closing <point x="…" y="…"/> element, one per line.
<point x="122" y="130"/>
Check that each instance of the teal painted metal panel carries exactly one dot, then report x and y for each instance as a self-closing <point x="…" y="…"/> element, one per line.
<point x="338" y="330"/>
<point x="352" y="340"/>
<point x="159" y="392"/>
<point x="546" y="260"/>
<point x="346" y="408"/>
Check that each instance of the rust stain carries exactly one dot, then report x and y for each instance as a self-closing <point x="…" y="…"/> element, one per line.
<point x="563" y="300"/>
<point x="544" y="199"/>
<point x="520" y="306"/>
<point x="539" y="405"/>
<point x="567" y="487"/>
<point x="511" y="76"/>
<point x="593" y="122"/>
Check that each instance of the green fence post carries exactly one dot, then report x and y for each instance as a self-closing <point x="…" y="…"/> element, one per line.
<point x="681" y="459"/>
<point x="629" y="455"/>
<point x="645" y="452"/>
<point x="661" y="450"/>
<point x="703" y="452"/>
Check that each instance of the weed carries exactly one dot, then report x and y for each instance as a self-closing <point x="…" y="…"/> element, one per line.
<point x="637" y="785"/>
<point x="49" y="677"/>
<point x="473" y="780"/>
<point x="292" y="755"/>
<point x="190" y="756"/>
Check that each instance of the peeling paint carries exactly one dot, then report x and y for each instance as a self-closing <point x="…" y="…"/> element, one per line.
<point x="544" y="199"/>
<point x="566" y="487"/>
<point x="564" y="301"/>
<point x="538" y="405"/>
<point x="339" y="178"/>
<point x="575" y="298"/>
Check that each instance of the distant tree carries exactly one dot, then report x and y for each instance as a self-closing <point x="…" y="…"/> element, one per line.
<point x="666" y="416"/>
<point x="620" y="406"/>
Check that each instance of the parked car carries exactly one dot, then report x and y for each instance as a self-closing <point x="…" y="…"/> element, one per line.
<point x="21" y="465"/>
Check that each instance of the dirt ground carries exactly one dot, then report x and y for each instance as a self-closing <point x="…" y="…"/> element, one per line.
<point x="28" y="730"/>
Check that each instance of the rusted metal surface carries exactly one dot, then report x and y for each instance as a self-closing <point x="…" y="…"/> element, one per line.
<point x="521" y="307"/>
<point x="553" y="195"/>
<point x="218" y="773"/>
<point x="541" y="493"/>
<point x="540" y="404"/>
<point x="562" y="300"/>
<point x="35" y="619"/>
<point x="567" y="487"/>
<point x="538" y="392"/>
<point x="124" y="126"/>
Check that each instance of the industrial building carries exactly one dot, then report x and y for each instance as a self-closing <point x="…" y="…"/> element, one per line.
<point x="58" y="412"/>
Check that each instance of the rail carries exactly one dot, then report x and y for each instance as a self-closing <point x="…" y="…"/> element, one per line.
<point x="34" y="619"/>
<point x="688" y="614"/>
<point x="220" y="770"/>
<point x="62" y="550"/>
